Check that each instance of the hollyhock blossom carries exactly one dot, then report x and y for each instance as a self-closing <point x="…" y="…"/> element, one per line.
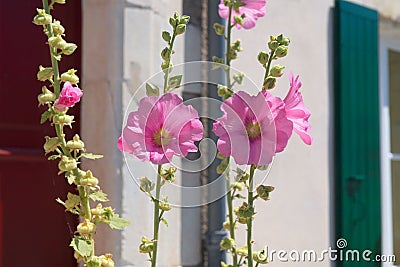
<point x="296" y="111"/>
<point x="160" y="128"/>
<point x="251" y="9"/>
<point x="283" y="126"/>
<point x="69" y="96"/>
<point x="247" y="130"/>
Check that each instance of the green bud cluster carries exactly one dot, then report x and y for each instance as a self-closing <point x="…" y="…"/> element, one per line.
<point x="227" y="243"/>
<point x="225" y="93"/>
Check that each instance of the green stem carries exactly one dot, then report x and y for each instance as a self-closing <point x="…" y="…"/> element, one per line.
<point x="229" y="199"/>
<point x="156" y="223"/>
<point x="54" y="62"/>
<point x="228" y="49"/>
<point x="250" y="219"/>
<point x="167" y="70"/>
<point x="269" y="64"/>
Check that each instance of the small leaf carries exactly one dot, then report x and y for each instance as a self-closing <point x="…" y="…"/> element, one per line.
<point x="152" y="90"/>
<point x="82" y="246"/>
<point x="45" y="116"/>
<point x="175" y="81"/>
<point x="91" y="156"/>
<point x="164" y="221"/>
<point x="70" y="177"/>
<point x="115" y="222"/>
<point x="53" y="157"/>
<point x="99" y="196"/>
<point x="60" y="201"/>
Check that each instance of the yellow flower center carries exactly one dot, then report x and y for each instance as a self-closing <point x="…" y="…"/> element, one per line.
<point x="253" y="130"/>
<point x="161" y="138"/>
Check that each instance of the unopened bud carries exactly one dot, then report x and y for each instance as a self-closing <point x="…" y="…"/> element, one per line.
<point x="76" y="143"/>
<point x="89" y="180"/>
<point x="165" y="53"/>
<point x="260" y="257"/>
<point x="42" y="18"/>
<point x="264" y="190"/>
<point x="70" y="76"/>
<point x="245" y="211"/>
<point x="63" y="119"/>
<point x="219" y="29"/>
<point x="242" y="251"/>
<point x="46" y="96"/>
<point x="165" y="65"/>
<point x="237" y="186"/>
<point x="238" y="19"/>
<point x="98" y="211"/>
<point x="106" y="261"/>
<point x="281" y="51"/>
<point x="184" y="19"/>
<point x="86" y="227"/>
<point x="263" y="57"/>
<point x="227" y="243"/>
<point x="168" y="174"/>
<point x="273" y="45"/>
<point x="146" y="185"/>
<point x="45" y="73"/>
<point x="67" y="164"/>
<point x="51" y="144"/>
<point x="57" y="42"/>
<point x="164" y="205"/>
<point x="180" y="29"/>
<point x="277" y="71"/>
<point x="166" y="36"/>
<point x="57" y="27"/>
<point x="269" y="83"/>
<point x="146" y="246"/>
<point x="69" y="48"/>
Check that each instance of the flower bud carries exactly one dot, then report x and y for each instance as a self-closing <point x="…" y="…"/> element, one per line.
<point x="89" y="180"/>
<point x="180" y="29"/>
<point x="245" y="211"/>
<point x="98" y="211"/>
<point x="57" y="42"/>
<point x="146" y="185"/>
<point x="242" y="251"/>
<point x="76" y="143"/>
<point x="238" y="19"/>
<point x="165" y="65"/>
<point x="173" y="22"/>
<point x="42" y="18"/>
<point x="164" y="205"/>
<point x="166" y="36"/>
<point x="67" y="164"/>
<point x="146" y="246"/>
<point x="184" y="19"/>
<point x="86" y="227"/>
<point x="51" y="144"/>
<point x="106" y="260"/>
<point x="269" y="83"/>
<point x="165" y="53"/>
<point x="219" y="29"/>
<point x="168" y="174"/>
<point x="237" y="186"/>
<point x="237" y="46"/>
<point x="46" y="96"/>
<point x="264" y="190"/>
<point x="281" y="51"/>
<point x="273" y="45"/>
<point x="277" y="71"/>
<point x="241" y="175"/>
<point x="238" y="77"/>
<point x="63" y="119"/>
<point x="283" y="40"/>
<point x="45" y="73"/>
<point x="263" y="57"/>
<point x="70" y="76"/>
<point x="227" y="243"/>
<point x="58" y="29"/>
<point x="69" y="48"/>
<point x="260" y="257"/>
<point x="227" y="225"/>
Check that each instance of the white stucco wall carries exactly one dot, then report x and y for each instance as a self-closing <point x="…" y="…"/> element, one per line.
<point x="121" y="50"/>
<point x="298" y="214"/>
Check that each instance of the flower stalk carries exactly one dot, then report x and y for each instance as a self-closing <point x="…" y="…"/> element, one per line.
<point x="250" y="200"/>
<point x="157" y="217"/>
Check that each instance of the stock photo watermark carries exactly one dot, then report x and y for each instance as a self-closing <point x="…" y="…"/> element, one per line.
<point x="340" y="253"/>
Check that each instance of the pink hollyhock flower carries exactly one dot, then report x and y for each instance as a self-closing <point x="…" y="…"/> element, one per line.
<point x="296" y="111"/>
<point x="69" y="96"/>
<point x="247" y="130"/>
<point x="283" y="126"/>
<point x="160" y="128"/>
<point x="252" y="10"/>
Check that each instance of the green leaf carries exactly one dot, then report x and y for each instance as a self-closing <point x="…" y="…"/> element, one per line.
<point x="91" y="156"/>
<point x="152" y="90"/>
<point x="70" y="177"/>
<point x="115" y="222"/>
<point x="45" y="116"/>
<point x="82" y="246"/>
<point x="164" y="221"/>
<point x="99" y="196"/>
<point x="53" y="157"/>
<point x="93" y="264"/>
<point x="175" y="81"/>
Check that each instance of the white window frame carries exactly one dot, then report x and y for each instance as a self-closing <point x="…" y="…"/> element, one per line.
<point x="388" y="40"/>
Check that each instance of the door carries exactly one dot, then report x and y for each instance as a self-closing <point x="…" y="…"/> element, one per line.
<point x="34" y="230"/>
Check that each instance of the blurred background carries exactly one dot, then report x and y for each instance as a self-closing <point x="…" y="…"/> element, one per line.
<point x="346" y="185"/>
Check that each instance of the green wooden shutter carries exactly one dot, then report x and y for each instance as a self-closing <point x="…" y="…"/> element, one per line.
<point x="357" y="149"/>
